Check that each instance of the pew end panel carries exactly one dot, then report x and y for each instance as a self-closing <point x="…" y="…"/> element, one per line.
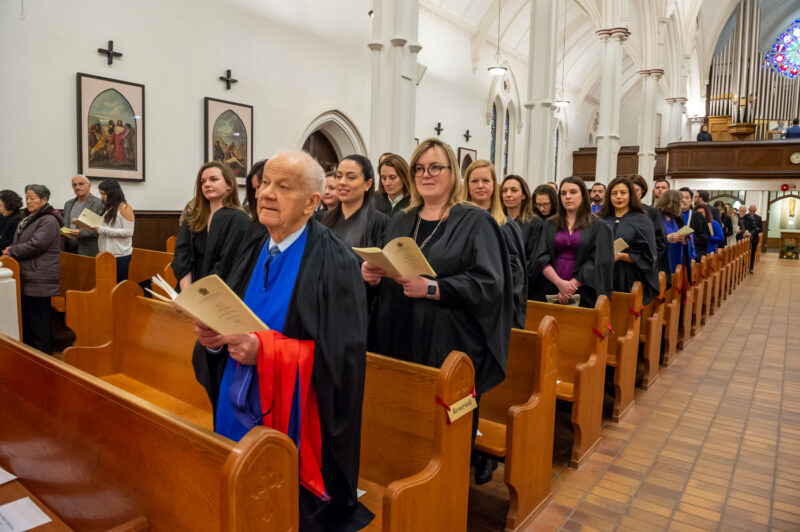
<point x="521" y="413"/>
<point x="650" y="336"/>
<point x="580" y="366"/>
<point x="672" y="313"/>
<point x="88" y="312"/>
<point x="262" y="465"/>
<point x="145" y="263"/>
<point x="698" y="296"/>
<point x="623" y="346"/>
<point x="13" y="265"/>
<point x="410" y="455"/>
<point x="77" y="273"/>
<point x="169" y="246"/>
<point x="100" y="457"/>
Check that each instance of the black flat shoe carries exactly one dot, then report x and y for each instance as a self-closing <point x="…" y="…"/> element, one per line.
<point x="484" y="469"/>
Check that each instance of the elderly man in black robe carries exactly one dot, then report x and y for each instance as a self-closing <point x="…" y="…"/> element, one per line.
<point x="306" y="286"/>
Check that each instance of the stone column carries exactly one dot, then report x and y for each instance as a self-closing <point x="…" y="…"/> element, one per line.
<point x="394" y="47"/>
<point x="675" y="123"/>
<point x="539" y="119"/>
<point x="647" y="135"/>
<point x="610" y="96"/>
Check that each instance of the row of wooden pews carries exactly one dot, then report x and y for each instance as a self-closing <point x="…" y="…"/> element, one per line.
<point x="562" y="355"/>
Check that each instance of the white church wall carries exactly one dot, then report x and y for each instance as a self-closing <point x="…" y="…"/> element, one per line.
<point x="292" y="61"/>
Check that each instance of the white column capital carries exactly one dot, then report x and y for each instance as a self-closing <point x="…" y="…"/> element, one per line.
<point x="398" y="41"/>
<point x="415" y="47"/>
<point x="619" y="34"/>
<point x="375" y="46"/>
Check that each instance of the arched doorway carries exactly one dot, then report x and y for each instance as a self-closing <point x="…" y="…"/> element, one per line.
<point x="783" y="216"/>
<point x="321" y="149"/>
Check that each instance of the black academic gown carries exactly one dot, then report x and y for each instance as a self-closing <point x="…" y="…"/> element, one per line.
<point x="383" y="205"/>
<point x="519" y="270"/>
<point x="364" y="228"/>
<point x="700" y="236"/>
<point x="530" y="236"/>
<point x="474" y="313"/>
<point x="329" y="306"/>
<point x="594" y="263"/>
<point x="227" y="229"/>
<point x="636" y="229"/>
<point x="662" y="246"/>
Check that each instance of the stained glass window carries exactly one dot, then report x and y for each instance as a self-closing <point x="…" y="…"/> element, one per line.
<point x="505" y="145"/>
<point x="555" y="166"/>
<point x="493" y="133"/>
<point x="784" y="56"/>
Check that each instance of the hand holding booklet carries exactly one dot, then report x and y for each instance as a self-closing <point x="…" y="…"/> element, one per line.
<point x="684" y="231"/>
<point x="573" y="301"/>
<point x="210" y="301"/>
<point x="401" y="257"/>
<point x="88" y="219"/>
<point x="620" y="245"/>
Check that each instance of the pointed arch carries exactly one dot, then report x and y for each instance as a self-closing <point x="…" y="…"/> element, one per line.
<point x="339" y="130"/>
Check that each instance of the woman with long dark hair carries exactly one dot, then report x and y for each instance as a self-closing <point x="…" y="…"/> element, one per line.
<point x="208" y="239"/>
<point x="251" y="184"/>
<point x="545" y="201"/>
<point x="116" y="233"/>
<point x="10" y="216"/>
<point x="575" y="252"/>
<point x="622" y="211"/>
<point x="518" y="205"/>
<point x="355" y="220"/>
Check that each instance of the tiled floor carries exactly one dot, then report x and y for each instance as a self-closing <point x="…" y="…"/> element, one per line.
<point x="714" y="444"/>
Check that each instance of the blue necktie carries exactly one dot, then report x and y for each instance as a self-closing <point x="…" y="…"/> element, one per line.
<point x="274" y="251"/>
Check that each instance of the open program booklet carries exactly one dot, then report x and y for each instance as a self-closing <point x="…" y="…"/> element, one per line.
<point x="88" y="219"/>
<point x="573" y="301"/>
<point x="210" y="301"/>
<point x="401" y="257"/>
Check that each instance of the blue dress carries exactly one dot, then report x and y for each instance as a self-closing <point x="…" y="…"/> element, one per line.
<point x="675" y="248"/>
<point x="270" y="303"/>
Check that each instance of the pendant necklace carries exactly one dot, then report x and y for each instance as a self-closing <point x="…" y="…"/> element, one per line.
<point x="416" y="229"/>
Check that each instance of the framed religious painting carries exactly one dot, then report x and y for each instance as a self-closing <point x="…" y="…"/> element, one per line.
<point x="466" y="157"/>
<point x="110" y="128"/>
<point x="229" y="135"/>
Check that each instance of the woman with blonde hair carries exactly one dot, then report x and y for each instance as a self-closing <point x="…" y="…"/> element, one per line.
<point x="468" y="306"/>
<point x="482" y="190"/>
<point x="209" y="237"/>
<point x="393" y="185"/>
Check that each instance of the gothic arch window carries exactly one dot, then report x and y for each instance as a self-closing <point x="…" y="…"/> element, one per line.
<point x="506" y="142"/>
<point x="504" y="120"/>
<point x="493" y="137"/>
<point x="558" y="146"/>
<point x="784" y="55"/>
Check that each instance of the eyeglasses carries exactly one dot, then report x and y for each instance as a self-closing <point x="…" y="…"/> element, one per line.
<point x="543" y="205"/>
<point x="433" y="170"/>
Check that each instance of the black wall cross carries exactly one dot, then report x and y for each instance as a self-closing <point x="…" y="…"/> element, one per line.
<point x="439" y="128"/>
<point x="110" y="52"/>
<point x="467" y="135"/>
<point x="228" y="79"/>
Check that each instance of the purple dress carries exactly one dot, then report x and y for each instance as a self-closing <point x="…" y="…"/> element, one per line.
<point x="566" y="248"/>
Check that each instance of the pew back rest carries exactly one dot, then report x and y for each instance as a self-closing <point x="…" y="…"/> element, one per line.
<point x="530" y="355"/>
<point x="626" y="308"/>
<point x="88" y="312"/>
<point x="170" y="244"/>
<point x="403" y="427"/>
<point x="77" y="272"/>
<point x="145" y="263"/>
<point x="577" y="343"/>
<point x="99" y="457"/>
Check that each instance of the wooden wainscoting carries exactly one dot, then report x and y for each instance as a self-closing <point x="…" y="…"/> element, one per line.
<point x="153" y="228"/>
<point x="584" y="162"/>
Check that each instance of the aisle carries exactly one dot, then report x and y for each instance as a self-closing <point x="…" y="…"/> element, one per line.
<point x="700" y="450"/>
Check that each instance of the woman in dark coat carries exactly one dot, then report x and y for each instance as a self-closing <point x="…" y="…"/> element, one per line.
<point x="518" y="205"/>
<point x="10" y="216"/>
<point x="575" y="252"/>
<point x="393" y="185"/>
<point x="622" y="211"/>
<point x="209" y="237"/>
<point x="37" y="248"/>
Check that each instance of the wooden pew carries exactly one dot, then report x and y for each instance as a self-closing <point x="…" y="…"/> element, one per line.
<point x="699" y="292"/>
<point x="687" y="308"/>
<point x="715" y="279"/>
<point x="170" y="244"/>
<point x="672" y="314"/>
<point x="623" y="346"/>
<point x="708" y="282"/>
<point x="414" y="466"/>
<point x="88" y="312"/>
<point x="651" y="330"/>
<point x="13" y="265"/>
<point x="77" y="273"/>
<point x="580" y="365"/>
<point x="101" y="458"/>
<point x="428" y="473"/>
<point x="149" y="354"/>
<point x="145" y="263"/>
<point x="518" y="418"/>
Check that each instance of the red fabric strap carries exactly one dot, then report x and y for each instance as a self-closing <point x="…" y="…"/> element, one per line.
<point x="663" y="299"/>
<point x="632" y="311"/>
<point x="603" y="336"/>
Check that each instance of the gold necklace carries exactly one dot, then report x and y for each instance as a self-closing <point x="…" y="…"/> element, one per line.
<point x="416" y="229"/>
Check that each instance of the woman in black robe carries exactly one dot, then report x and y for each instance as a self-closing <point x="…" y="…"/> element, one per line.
<point x="355" y="219"/>
<point x="209" y="237"/>
<point x="662" y="250"/>
<point x="393" y="185"/>
<point x="545" y="201"/>
<point x="575" y="252"/>
<point x="482" y="190"/>
<point x="518" y="205"/>
<point x="469" y="306"/>
<point x="623" y="213"/>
